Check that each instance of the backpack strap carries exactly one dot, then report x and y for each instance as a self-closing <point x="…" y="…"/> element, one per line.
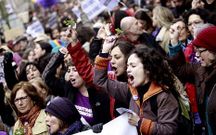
<point x="153" y="103"/>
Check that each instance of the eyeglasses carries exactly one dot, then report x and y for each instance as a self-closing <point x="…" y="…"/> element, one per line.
<point x="199" y="51"/>
<point x="20" y="99"/>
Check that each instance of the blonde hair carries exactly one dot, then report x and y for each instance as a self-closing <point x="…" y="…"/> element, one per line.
<point x="163" y="16"/>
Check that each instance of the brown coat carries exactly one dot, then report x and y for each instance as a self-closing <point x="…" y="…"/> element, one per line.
<point x="166" y="120"/>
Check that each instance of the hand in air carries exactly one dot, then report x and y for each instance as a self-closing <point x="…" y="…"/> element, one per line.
<point x="109" y="43"/>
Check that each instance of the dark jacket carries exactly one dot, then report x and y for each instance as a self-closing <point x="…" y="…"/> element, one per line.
<point x="11" y="80"/>
<point x="166" y="120"/>
<point x="99" y="100"/>
<point x="95" y="47"/>
<point x="73" y="128"/>
<point x="203" y="77"/>
<point x="212" y="110"/>
<point x="43" y="61"/>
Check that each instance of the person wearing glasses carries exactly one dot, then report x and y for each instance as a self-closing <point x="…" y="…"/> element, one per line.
<point x="28" y="105"/>
<point x="203" y="75"/>
<point x="194" y="17"/>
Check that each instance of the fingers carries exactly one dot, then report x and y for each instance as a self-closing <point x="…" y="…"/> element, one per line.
<point x="107" y="29"/>
<point x="63" y="50"/>
<point x="110" y="39"/>
<point x="133" y="119"/>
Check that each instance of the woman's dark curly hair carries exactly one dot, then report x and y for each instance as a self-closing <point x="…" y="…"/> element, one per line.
<point x="159" y="70"/>
<point x="30" y="90"/>
<point x="203" y="13"/>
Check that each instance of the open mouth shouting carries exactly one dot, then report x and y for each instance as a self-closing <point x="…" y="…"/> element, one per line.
<point x="73" y="81"/>
<point x="130" y="79"/>
<point x="114" y="69"/>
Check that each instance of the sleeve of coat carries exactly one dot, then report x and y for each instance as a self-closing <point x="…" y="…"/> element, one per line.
<point x="118" y="90"/>
<point x="55" y="84"/>
<point x="81" y="62"/>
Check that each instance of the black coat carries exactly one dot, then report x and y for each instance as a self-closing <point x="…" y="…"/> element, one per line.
<point x="99" y="100"/>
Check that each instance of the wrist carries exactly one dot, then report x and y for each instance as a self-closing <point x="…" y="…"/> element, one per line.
<point x="104" y="55"/>
<point x="104" y="51"/>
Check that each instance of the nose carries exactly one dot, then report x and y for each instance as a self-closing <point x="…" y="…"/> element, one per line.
<point x="32" y="73"/>
<point x="112" y="61"/>
<point x="140" y="25"/>
<point x="47" y="119"/>
<point x="71" y="74"/>
<point x="19" y="102"/>
<point x="128" y="69"/>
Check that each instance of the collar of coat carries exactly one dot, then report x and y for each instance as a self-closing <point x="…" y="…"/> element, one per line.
<point x="154" y="89"/>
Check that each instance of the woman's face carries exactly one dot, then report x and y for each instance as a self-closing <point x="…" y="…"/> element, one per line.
<point x="38" y="51"/>
<point x="32" y="72"/>
<point x="74" y="77"/>
<point x="183" y="31"/>
<point x="56" y="34"/>
<point x="207" y="58"/>
<point x="118" y="61"/>
<point x="31" y="56"/>
<point x="142" y="23"/>
<point x="53" y="123"/>
<point x="135" y="71"/>
<point x="193" y="20"/>
<point x="136" y="28"/>
<point x="23" y="102"/>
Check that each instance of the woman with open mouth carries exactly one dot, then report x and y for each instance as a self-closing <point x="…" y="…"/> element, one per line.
<point x="92" y="105"/>
<point x="149" y="78"/>
<point x="62" y="117"/>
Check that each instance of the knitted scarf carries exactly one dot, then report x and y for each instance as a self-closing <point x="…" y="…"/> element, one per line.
<point x="28" y="120"/>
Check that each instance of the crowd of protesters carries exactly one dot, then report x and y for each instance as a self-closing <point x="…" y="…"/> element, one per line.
<point x="157" y="59"/>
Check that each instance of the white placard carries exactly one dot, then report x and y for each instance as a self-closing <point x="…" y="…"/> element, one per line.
<point x="76" y="11"/>
<point x="53" y="20"/>
<point x="92" y="8"/>
<point x="118" y="126"/>
<point x="35" y="29"/>
<point x="110" y="4"/>
<point x="122" y="110"/>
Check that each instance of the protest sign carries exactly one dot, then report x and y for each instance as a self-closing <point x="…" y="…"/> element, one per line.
<point x="35" y="29"/>
<point x="110" y="4"/>
<point x="92" y="8"/>
<point x="53" y="20"/>
<point x="76" y="11"/>
<point x="118" y="126"/>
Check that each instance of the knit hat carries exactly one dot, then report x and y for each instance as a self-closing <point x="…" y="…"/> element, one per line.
<point x="63" y="109"/>
<point x="206" y="39"/>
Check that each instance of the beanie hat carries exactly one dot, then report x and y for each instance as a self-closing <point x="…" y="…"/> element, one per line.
<point x="63" y="109"/>
<point x="206" y="39"/>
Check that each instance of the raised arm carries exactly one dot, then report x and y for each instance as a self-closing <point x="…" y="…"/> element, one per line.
<point x="81" y="62"/>
<point x="54" y="83"/>
<point x="119" y="90"/>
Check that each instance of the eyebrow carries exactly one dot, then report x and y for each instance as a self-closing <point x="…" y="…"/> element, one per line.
<point x="21" y="97"/>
